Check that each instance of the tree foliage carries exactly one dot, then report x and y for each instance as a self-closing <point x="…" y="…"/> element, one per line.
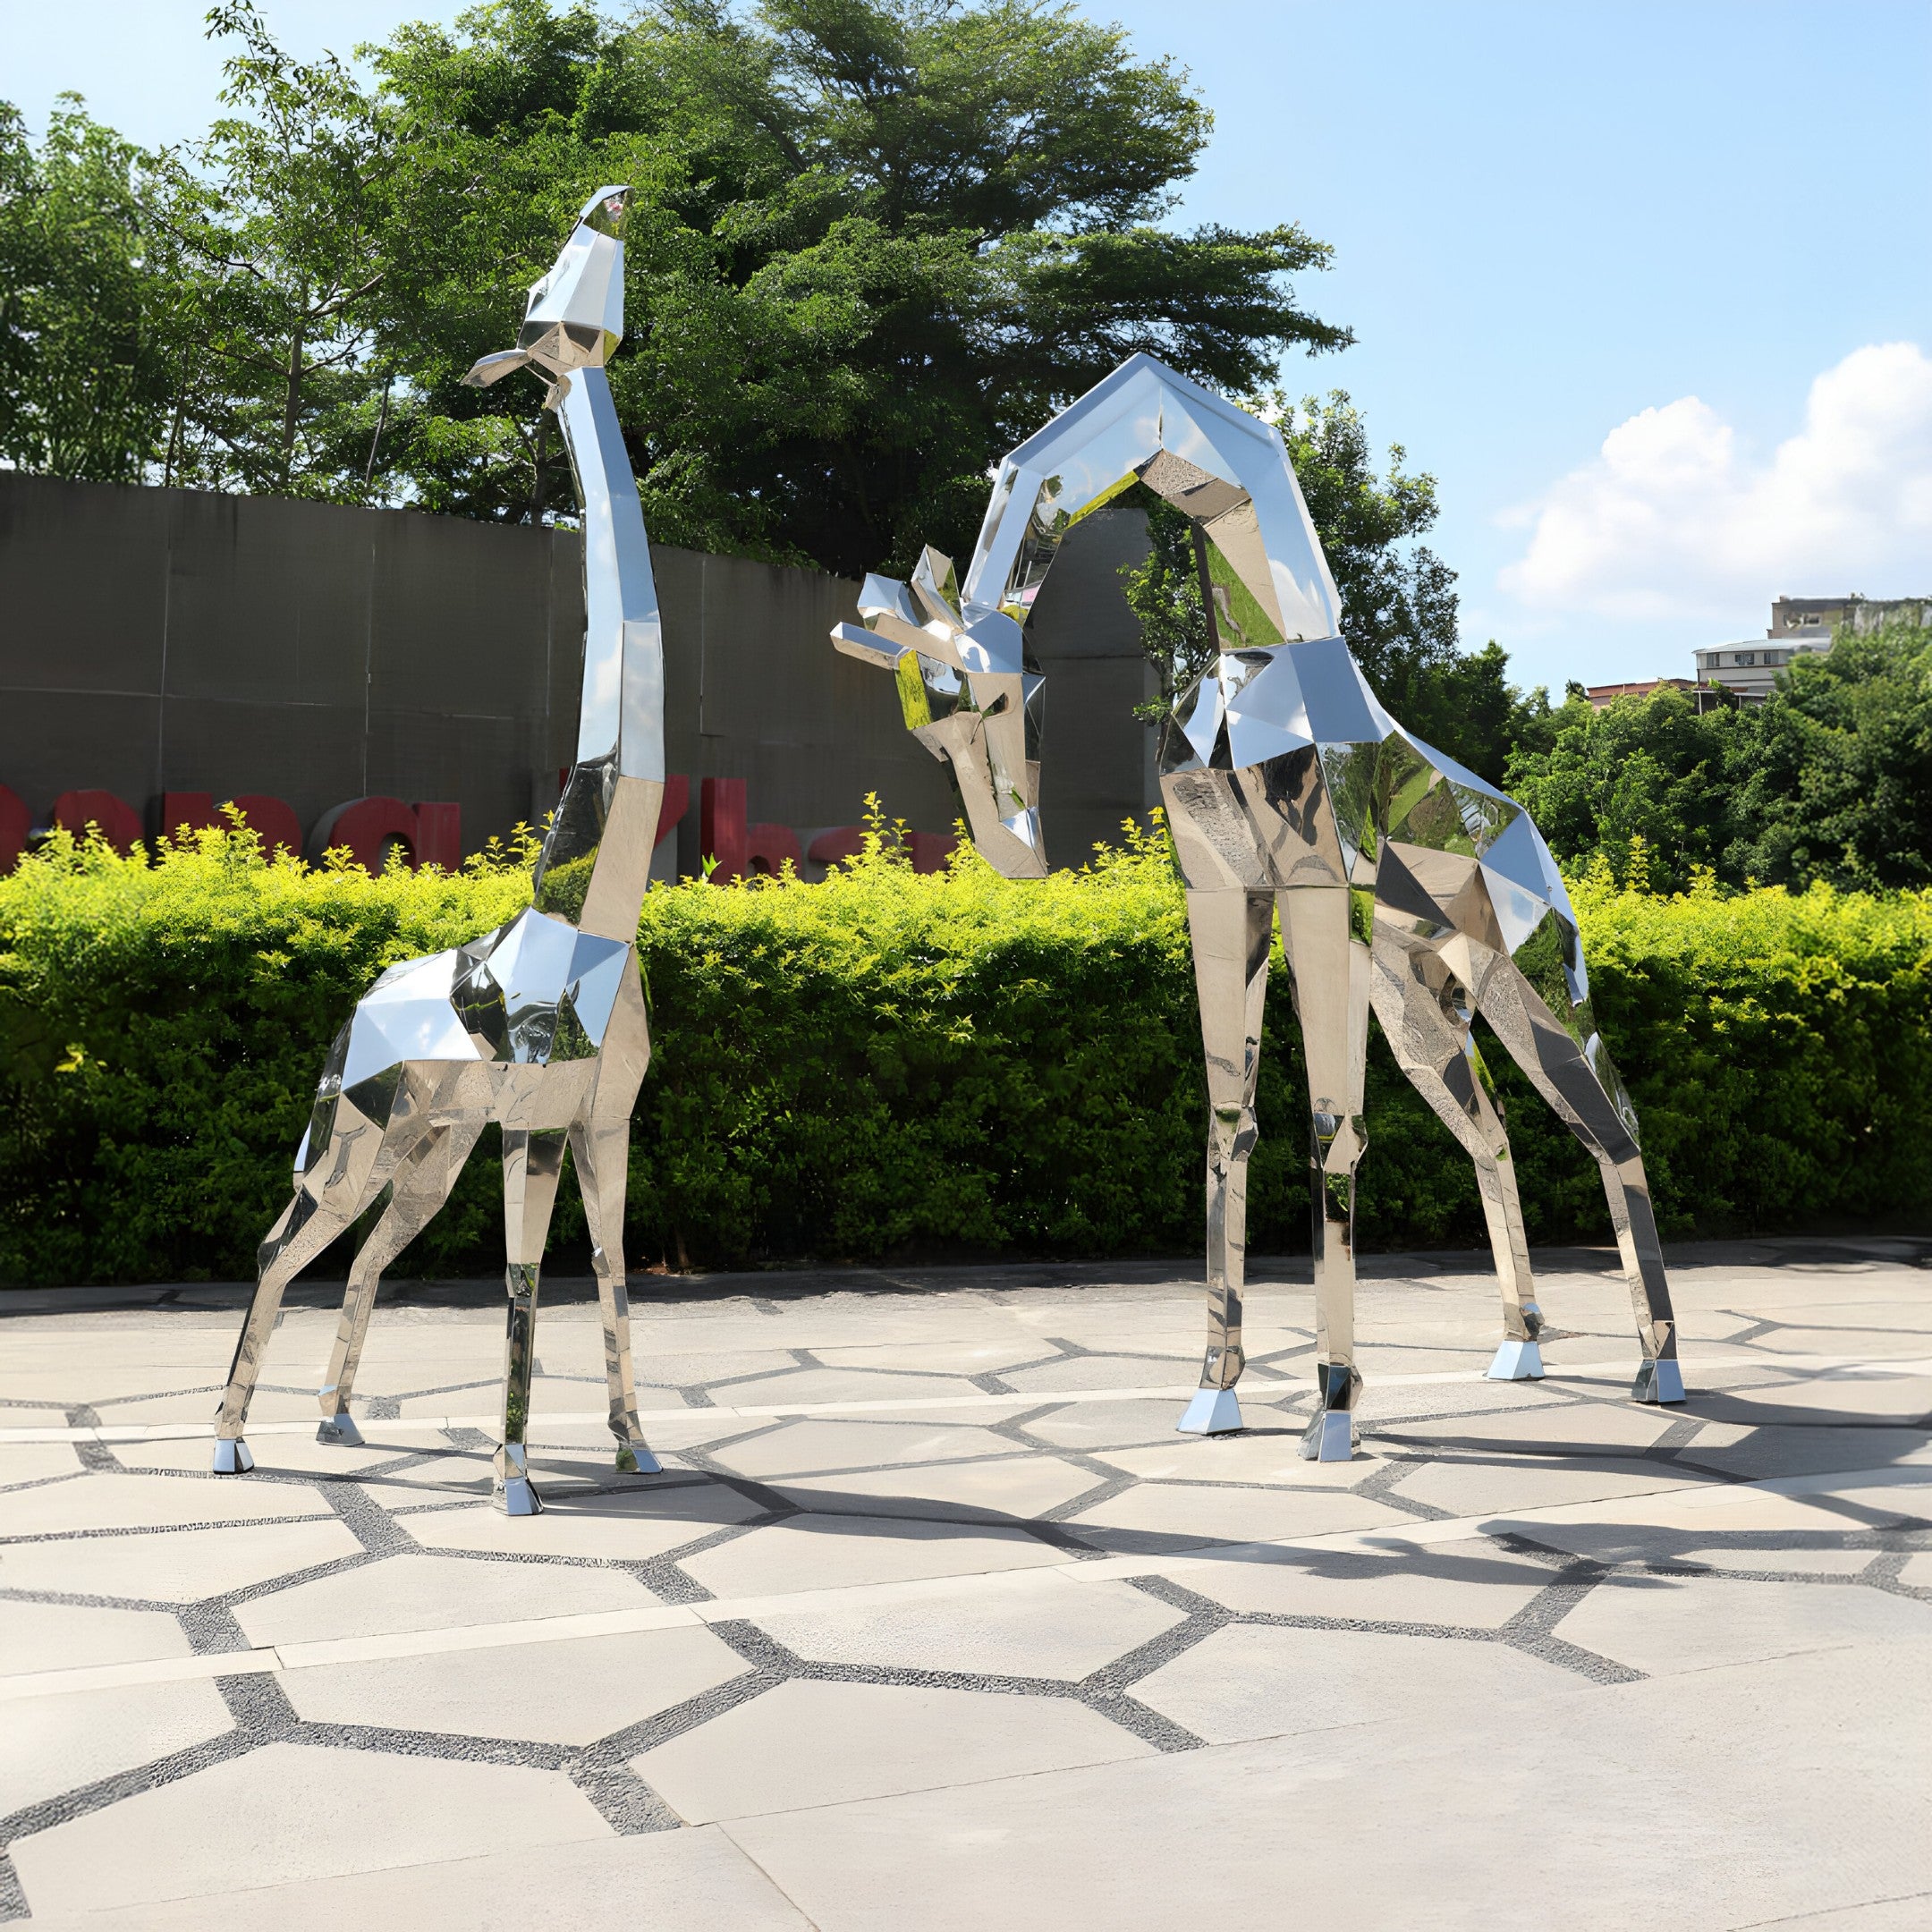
<point x="872" y="244"/>
<point x="86" y="319"/>
<point x="895" y="1062"/>
<point x="1830" y="779"/>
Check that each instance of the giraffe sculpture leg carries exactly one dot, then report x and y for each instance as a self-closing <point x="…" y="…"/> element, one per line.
<point x="422" y="1181"/>
<point x="600" y="1151"/>
<point x="1425" y="1013"/>
<point x="1325" y="937"/>
<point x="532" y="1162"/>
<point x="1230" y="931"/>
<point x="358" y="1157"/>
<point x="1573" y="1082"/>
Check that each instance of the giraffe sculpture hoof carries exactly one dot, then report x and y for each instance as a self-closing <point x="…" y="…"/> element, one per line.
<point x="1330" y="1438"/>
<point x="232" y="1457"/>
<point x="1658" y="1381"/>
<point x="1212" y="1413"/>
<point x="635" y="1459"/>
<point x="516" y="1497"/>
<point x="339" y="1429"/>
<point x="1517" y="1361"/>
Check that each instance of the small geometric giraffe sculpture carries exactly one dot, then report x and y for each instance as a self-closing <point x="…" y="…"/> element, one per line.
<point x="541" y="1024"/>
<point x="1402" y="882"/>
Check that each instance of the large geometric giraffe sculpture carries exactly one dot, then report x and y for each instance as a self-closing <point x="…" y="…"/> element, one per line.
<point x="541" y="1025"/>
<point x="1402" y="882"/>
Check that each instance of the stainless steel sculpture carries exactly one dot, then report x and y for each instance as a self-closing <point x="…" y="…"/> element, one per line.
<point x="1402" y="883"/>
<point x="541" y="1025"/>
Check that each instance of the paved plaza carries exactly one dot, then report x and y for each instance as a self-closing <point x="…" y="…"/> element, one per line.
<point x="933" y="1621"/>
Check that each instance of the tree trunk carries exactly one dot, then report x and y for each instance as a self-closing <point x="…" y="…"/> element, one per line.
<point x="292" y="407"/>
<point x="537" y="485"/>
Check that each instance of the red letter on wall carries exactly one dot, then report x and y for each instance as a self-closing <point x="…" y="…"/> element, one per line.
<point x="432" y="833"/>
<point x="722" y="834"/>
<point x="438" y="840"/>
<point x="365" y="826"/>
<point x="271" y="819"/>
<point x="119" y="822"/>
<point x="15" y="823"/>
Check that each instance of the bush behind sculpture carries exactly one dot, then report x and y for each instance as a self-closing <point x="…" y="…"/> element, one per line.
<point x="891" y="1062"/>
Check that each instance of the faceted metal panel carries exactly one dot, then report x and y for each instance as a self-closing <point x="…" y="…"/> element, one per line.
<point x="539" y="1026"/>
<point x="1400" y="881"/>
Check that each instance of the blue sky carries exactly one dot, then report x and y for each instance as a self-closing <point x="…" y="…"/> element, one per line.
<point x="1648" y="287"/>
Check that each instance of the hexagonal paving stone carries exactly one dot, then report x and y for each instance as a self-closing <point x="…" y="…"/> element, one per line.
<point x="1470" y="1585"/>
<point x="410" y="1593"/>
<point x="830" y="1552"/>
<point x="1097" y="1425"/>
<point x="967" y="1358"/>
<point x="1018" y="1487"/>
<point x="813" y="1447"/>
<point x="54" y="1744"/>
<point x="1473" y="1486"/>
<point x="1153" y="1517"/>
<point x="179" y="1566"/>
<point x="45" y="1637"/>
<point x="1254" y="1682"/>
<point x="1035" y="1624"/>
<point x="276" y="1455"/>
<point x="108" y="1500"/>
<point x="21" y="1462"/>
<point x="1769" y="1448"/>
<point x="291" y="1812"/>
<point x="1666" y="1626"/>
<point x="628" y="1526"/>
<point x="876" y="1383"/>
<point x="1105" y="1372"/>
<point x="808" y="1743"/>
<point x="570" y="1691"/>
<point x="1267" y="1451"/>
<point x="1535" y="1422"/>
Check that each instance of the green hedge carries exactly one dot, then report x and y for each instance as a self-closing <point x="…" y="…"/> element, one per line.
<point x="891" y="1062"/>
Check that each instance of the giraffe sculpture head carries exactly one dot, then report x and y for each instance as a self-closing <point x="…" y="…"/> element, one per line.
<point x="968" y="690"/>
<point x="574" y="317"/>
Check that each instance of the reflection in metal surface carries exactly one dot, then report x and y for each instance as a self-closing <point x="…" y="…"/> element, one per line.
<point x="539" y="1026"/>
<point x="1401" y="883"/>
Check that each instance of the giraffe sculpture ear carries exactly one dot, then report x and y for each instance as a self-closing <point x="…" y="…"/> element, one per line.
<point x="493" y="369"/>
<point x="856" y="642"/>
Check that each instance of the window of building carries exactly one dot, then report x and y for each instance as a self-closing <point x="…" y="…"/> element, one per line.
<point x="1745" y="657"/>
<point x="1814" y="620"/>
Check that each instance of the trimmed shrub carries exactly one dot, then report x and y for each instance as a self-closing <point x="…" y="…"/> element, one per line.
<point x="893" y="1063"/>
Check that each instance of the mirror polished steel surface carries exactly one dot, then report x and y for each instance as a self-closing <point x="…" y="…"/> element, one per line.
<point x="539" y="1026"/>
<point x="1401" y="883"/>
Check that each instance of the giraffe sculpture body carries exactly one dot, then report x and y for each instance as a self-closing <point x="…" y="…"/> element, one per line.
<point x="541" y="1025"/>
<point x="1402" y="882"/>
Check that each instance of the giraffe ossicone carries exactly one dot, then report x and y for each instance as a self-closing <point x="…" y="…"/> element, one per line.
<point x="1402" y="882"/>
<point x="539" y="1026"/>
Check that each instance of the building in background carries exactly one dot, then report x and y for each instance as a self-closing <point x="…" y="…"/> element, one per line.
<point x="1750" y="667"/>
<point x="1603" y="696"/>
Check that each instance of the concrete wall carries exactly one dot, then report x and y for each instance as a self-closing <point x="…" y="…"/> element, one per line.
<point x="154" y="641"/>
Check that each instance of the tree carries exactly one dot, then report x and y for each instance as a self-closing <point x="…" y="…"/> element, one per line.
<point x="1830" y="778"/>
<point x="279" y="223"/>
<point x="1840" y="783"/>
<point x="1398" y="599"/>
<point x="873" y="243"/>
<point x="85" y="362"/>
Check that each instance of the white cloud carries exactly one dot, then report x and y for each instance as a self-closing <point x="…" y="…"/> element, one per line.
<point x="1674" y="520"/>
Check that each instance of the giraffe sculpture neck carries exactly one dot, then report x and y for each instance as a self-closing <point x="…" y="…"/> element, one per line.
<point x="600" y="842"/>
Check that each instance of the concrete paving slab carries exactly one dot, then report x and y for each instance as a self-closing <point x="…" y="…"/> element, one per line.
<point x="569" y="1692"/>
<point x="812" y="1744"/>
<point x="946" y="1657"/>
